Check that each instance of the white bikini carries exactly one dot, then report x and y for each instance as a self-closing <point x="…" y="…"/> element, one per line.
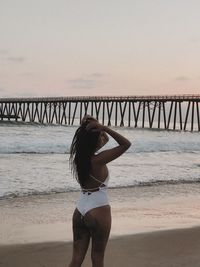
<point x="93" y="198"/>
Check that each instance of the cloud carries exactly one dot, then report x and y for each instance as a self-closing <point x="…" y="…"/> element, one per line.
<point x="97" y="75"/>
<point x="25" y="94"/>
<point x="27" y="74"/>
<point x="82" y="83"/>
<point x="5" y="55"/>
<point x="4" y="93"/>
<point x="194" y="40"/>
<point x="182" y="79"/>
<point x="88" y="81"/>
<point x="16" y="59"/>
<point x="3" y="52"/>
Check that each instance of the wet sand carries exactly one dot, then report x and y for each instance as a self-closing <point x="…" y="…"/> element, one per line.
<point x="48" y="218"/>
<point x="151" y="227"/>
<point x="169" y="248"/>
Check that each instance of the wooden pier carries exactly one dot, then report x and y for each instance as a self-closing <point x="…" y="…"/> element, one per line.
<point x="175" y="112"/>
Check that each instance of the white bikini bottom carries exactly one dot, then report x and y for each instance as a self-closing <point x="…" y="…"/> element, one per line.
<point x="91" y="200"/>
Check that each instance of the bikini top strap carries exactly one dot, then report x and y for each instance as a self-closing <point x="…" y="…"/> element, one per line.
<point x="96" y="179"/>
<point x="102" y="184"/>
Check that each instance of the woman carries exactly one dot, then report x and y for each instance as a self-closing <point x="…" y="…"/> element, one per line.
<point x="92" y="216"/>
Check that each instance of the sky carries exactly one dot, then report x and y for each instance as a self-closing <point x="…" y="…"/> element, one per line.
<point x="99" y="47"/>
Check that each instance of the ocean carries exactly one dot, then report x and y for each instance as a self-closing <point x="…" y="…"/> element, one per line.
<point x="34" y="159"/>
<point x="153" y="186"/>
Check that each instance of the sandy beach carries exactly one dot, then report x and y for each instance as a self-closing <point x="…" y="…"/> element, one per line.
<point x="152" y="226"/>
<point x="171" y="248"/>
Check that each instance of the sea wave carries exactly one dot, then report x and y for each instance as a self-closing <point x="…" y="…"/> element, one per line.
<point x="17" y="194"/>
<point x="36" y="124"/>
<point x="47" y="139"/>
<point x="33" y="152"/>
<point x="63" y="151"/>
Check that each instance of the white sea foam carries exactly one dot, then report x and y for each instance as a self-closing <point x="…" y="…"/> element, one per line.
<point x="34" y="159"/>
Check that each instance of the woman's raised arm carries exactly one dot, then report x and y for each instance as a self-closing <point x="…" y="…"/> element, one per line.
<point x="113" y="153"/>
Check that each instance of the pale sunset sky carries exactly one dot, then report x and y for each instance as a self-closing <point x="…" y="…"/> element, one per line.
<point x="99" y="47"/>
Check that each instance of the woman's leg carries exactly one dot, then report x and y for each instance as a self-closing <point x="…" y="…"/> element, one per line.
<point x="81" y="239"/>
<point x="98" y="221"/>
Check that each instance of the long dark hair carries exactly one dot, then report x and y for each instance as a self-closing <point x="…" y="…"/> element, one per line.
<point x="82" y="148"/>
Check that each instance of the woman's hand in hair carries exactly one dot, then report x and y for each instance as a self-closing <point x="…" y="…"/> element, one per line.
<point x="88" y="118"/>
<point x="94" y="125"/>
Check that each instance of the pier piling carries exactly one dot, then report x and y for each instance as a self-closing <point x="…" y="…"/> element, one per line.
<point x="161" y="112"/>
